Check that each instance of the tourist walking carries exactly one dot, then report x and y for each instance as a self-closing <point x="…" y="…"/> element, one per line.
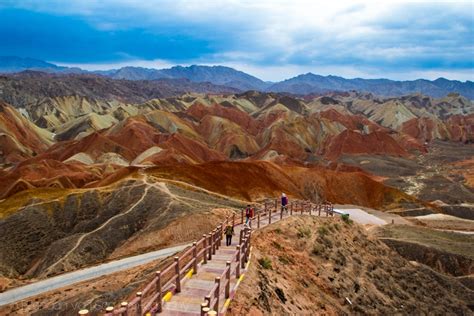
<point x="229" y="232"/>
<point x="284" y="202"/>
<point x="248" y="214"/>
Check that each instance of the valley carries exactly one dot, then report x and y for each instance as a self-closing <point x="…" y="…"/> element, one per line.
<point x="99" y="169"/>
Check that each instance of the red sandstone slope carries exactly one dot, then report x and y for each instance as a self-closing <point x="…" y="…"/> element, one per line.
<point x="351" y="122"/>
<point x="461" y="127"/>
<point x="259" y="179"/>
<point x="353" y="143"/>
<point x="47" y="173"/>
<point x="248" y="123"/>
<point x="19" y="138"/>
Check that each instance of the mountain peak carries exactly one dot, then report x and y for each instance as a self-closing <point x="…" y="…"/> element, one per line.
<point x="303" y="84"/>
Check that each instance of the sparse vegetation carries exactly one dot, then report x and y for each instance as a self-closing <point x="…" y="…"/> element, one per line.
<point x="303" y="232"/>
<point x="364" y="270"/>
<point x="317" y="249"/>
<point x="323" y="230"/>
<point x="285" y="260"/>
<point x="345" y="218"/>
<point x="265" y="263"/>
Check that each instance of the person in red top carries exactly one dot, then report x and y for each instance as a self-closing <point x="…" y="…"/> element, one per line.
<point x="248" y="215"/>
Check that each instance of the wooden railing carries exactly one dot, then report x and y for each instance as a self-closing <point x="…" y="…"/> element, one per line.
<point x="211" y="304"/>
<point x="150" y="299"/>
<point x="233" y="268"/>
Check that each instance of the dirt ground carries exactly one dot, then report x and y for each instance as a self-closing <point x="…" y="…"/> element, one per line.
<point x="325" y="266"/>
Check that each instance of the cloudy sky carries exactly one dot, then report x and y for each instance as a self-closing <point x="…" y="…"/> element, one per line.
<point x="270" y="39"/>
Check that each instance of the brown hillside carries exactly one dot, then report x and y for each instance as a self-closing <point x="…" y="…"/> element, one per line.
<point x="324" y="266"/>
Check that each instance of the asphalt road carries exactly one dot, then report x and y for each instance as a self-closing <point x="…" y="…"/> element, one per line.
<point x="66" y="279"/>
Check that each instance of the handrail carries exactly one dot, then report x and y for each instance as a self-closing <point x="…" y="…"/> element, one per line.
<point x="202" y="250"/>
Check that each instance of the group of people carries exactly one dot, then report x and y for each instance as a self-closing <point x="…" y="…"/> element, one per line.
<point x="249" y="214"/>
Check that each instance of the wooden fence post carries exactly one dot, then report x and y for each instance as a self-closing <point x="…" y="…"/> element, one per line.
<point x="270" y="216"/>
<point x="233" y="219"/>
<point x="258" y="220"/>
<point x="241" y="236"/>
<point x="139" y="304"/>
<point x="221" y="235"/>
<point x="218" y="240"/>
<point x="319" y="209"/>
<point x="227" y="285"/>
<point x="210" y="245"/>
<point x="214" y="241"/>
<point x="237" y="268"/>
<point x="247" y="255"/>
<point x="109" y="311"/>
<point x="218" y="281"/>
<point x="207" y="298"/>
<point x="124" y="305"/>
<point x="204" y="257"/>
<point x="178" y="275"/>
<point x="159" y="298"/>
<point x="291" y="208"/>
<point x="242" y="254"/>
<point x="242" y="217"/>
<point x="195" y="265"/>
<point x="204" y="309"/>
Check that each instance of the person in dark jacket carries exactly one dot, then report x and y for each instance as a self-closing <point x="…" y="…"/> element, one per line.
<point x="284" y="202"/>
<point x="229" y="232"/>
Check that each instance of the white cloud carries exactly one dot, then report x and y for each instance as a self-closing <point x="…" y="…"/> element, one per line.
<point x="156" y="64"/>
<point x="275" y="39"/>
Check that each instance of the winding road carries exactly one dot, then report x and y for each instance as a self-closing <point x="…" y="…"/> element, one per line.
<point x="66" y="279"/>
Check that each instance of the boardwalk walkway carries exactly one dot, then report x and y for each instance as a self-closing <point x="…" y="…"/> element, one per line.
<point x="203" y="278"/>
<point x="197" y="286"/>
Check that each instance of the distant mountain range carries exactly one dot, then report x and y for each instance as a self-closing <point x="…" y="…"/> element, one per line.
<point x="225" y="76"/>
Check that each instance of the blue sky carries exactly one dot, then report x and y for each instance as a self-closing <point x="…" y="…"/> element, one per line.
<point x="271" y="39"/>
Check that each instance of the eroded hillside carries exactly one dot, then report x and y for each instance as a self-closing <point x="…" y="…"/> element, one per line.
<point x="101" y="168"/>
<point x="326" y="266"/>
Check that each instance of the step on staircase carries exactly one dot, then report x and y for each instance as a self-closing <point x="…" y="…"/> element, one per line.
<point x="205" y="277"/>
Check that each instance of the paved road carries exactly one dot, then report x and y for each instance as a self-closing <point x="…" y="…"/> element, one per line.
<point x="66" y="279"/>
<point x="361" y="216"/>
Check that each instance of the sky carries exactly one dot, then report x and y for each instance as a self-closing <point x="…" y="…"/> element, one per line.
<point x="270" y="39"/>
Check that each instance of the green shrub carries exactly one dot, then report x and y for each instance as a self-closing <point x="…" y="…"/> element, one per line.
<point x="265" y="263"/>
<point x="303" y="232"/>
<point x="323" y="230"/>
<point x="277" y="230"/>
<point x="345" y="218"/>
<point x="318" y="249"/>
